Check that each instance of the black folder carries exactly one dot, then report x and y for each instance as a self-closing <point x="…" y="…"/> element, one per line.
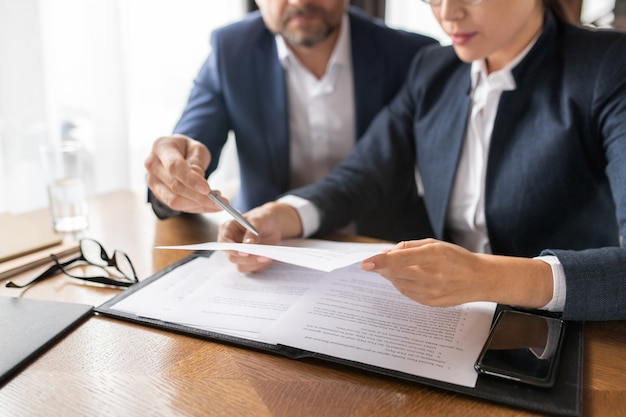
<point x="28" y="327"/>
<point x="563" y="399"/>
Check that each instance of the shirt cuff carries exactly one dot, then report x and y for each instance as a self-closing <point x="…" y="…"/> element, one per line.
<point x="162" y="210"/>
<point x="552" y="341"/>
<point x="308" y="212"/>
<point x="557" y="303"/>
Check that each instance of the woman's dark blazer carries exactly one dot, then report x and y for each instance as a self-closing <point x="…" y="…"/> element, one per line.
<point x="556" y="174"/>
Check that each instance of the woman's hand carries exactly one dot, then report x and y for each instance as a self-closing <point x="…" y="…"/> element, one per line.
<point x="274" y="222"/>
<point x="437" y="273"/>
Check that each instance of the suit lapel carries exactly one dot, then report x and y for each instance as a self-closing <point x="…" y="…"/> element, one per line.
<point x="368" y="75"/>
<point x="438" y="158"/>
<point x="274" y="114"/>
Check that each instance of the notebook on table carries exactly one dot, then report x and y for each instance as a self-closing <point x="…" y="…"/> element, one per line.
<point x="30" y="326"/>
<point x="39" y="258"/>
<point x="19" y="237"/>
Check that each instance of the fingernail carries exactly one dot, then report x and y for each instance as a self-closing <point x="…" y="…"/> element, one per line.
<point x="368" y="266"/>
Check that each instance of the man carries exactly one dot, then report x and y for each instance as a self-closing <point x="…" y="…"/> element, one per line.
<point x="298" y="82"/>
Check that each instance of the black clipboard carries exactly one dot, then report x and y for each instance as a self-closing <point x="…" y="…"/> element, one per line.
<point x="563" y="399"/>
<point x="30" y="326"/>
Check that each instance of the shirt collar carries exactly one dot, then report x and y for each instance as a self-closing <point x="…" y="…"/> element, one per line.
<point x="502" y="78"/>
<point x="341" y="52"/>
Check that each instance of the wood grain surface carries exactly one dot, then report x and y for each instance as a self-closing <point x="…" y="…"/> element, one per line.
<point x="107" y="367"/>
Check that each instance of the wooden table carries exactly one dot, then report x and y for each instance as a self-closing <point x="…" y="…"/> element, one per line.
<point x="109" y="367"/>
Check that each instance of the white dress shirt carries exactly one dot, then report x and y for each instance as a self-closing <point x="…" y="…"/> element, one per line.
<point x="465" y="219"/>
<point x="321" y="111"/>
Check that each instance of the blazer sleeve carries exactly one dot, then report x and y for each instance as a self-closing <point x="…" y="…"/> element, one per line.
<point x="596" y="278"/>
<point x="205" y="116"/>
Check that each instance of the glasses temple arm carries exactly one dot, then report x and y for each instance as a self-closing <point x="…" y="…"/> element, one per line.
<point x="46" y="274"/>
<point x="52" y="270"/>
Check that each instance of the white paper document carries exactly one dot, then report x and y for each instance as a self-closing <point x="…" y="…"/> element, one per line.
<point x="347" y="313"/>
<point x="323" y="256"/>
<point x="209" y="293"/>
<point x="361" y="317"/>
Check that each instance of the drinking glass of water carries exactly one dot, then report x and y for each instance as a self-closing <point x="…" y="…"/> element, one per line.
<point x="63" y="168"/>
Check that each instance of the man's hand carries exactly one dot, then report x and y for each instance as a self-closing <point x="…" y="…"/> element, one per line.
<point x="176" y="168"/>
<point x="274" y="222"/>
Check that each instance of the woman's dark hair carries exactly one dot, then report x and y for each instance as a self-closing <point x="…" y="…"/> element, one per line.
<point x="556" y="8"/>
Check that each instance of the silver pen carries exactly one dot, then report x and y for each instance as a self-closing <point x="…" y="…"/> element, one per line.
<point x="233" y="212"/>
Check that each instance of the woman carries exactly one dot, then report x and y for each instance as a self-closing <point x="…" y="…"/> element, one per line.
<point x="519" y="133"/>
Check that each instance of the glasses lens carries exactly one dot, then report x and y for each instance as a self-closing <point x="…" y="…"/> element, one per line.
<point x="93" y="252"/>
<point x="95" y="267"/>
<point x="123" y="264"/>
<point x="89" y="271"/>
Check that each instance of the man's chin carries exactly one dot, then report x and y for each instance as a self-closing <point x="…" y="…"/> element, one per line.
<point x="304" y="41"/>
<point x="305" y="37"/>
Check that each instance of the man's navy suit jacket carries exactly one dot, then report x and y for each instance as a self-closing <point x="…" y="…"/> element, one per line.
<point x="556" y="172"/>
<point x="241" y="87"/>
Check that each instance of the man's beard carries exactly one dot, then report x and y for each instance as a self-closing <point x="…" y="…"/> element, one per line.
<point x="312" y="34"/>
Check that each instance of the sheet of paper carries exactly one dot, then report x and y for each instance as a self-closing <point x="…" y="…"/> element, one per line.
<point x="347" y="313"/>
<point x="209" y="293"/>
<point x="302" y="252"/>
<point x="361" y="317"/>
<point x="168" y="292"/>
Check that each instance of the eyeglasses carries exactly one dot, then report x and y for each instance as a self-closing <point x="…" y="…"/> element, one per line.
<point x="465" y="2"/>
<point x="96" y="267"/>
